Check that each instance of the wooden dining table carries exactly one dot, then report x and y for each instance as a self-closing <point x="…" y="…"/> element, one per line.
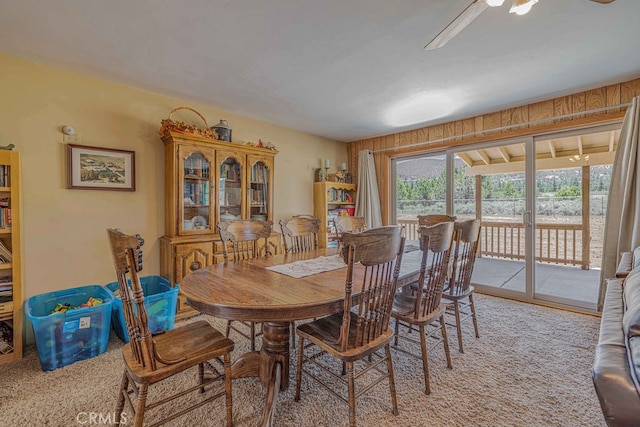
<point x="248" y="291"/>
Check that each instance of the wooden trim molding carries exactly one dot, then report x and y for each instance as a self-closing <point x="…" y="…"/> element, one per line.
<point x="483" y="127"/>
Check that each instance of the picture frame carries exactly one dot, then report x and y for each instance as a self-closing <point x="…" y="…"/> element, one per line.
<point x="99" y="168"/>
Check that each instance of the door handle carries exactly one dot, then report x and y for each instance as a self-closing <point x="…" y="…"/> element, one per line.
<point x="526" y="218"/>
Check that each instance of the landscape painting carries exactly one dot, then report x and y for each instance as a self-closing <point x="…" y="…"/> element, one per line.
<point x="100" y="168"/>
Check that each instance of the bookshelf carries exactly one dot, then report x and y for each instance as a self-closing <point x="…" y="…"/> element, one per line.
<point x="11" y="294"/>
<point x="331" y="199"/>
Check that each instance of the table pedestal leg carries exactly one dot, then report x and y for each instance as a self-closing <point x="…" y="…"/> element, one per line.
<point x="270" y="364"/>
<point x="274" y="364"/>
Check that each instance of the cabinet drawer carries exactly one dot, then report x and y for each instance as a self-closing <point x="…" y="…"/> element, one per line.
<point x="191" y="257"/>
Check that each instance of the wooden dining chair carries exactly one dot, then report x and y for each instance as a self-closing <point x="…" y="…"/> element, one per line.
<point x="358" y="331"/>
<point x="300" y="233"/>
<point x="433" y="219"/>
<point x="150" y="359"/>
<point x="244" y="239"/>
<point x="349" y="224"/>
<point x="458" y="289"/>
<point x="423" y="311"/>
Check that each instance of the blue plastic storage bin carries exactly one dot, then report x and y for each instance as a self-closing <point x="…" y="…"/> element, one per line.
<point x="78" y="334"/>
<point x="160" y="301"/>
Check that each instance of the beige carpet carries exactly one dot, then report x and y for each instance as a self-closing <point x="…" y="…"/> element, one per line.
<point x="530" y="367"/>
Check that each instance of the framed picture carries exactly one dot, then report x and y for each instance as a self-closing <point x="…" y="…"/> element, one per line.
<point x="96" y="168"/>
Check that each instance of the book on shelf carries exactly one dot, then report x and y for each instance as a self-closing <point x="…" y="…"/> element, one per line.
<point x="333" y="213"/>
<point x="233" y="196"/>
<point x="6" y="283"/>
<point x="5" y="173"/>
<point x="5" y="217"/>
<point x="6" y="337"/>
<point x="222" y="192"/>
<point x="230" y="171"/>
<point x="5" y="253"/>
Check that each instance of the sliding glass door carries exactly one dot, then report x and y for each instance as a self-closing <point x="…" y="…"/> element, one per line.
<point x="501" y="203"/>
<point x="541" y="202"/>
<point x="420" y="188"/>
<point x="572" y="176"/>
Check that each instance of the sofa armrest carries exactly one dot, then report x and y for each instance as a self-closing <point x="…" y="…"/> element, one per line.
<point x="611" y="372"/>
<point x="625" y="265"/>
<point x="616" y="391"/>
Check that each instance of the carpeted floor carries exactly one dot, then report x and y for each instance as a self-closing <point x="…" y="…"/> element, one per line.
<point x="530" y="367"/>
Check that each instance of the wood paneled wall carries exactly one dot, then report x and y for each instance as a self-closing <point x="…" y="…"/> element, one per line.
<point x="483" y="128"/>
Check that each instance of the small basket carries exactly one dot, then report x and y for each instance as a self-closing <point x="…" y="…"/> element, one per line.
<point x="167" y="125"/>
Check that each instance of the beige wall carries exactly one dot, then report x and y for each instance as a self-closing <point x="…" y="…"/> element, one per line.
<point x="64" y="238"/>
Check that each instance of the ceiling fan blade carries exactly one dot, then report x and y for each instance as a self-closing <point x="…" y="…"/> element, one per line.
<point x="465" y="18"/>
<point x="604" y="1"/>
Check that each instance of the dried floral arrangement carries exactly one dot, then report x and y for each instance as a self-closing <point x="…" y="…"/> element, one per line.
<point x="169" y="124"/>
<point x="261" y="144"/>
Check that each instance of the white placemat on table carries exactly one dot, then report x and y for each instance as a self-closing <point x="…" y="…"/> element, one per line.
<point x="309" y="267"/>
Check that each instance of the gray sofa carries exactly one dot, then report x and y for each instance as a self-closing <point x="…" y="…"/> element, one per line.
<point x="616" y="369"/>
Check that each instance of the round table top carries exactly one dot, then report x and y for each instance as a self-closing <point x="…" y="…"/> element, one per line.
<point x="246" y="290"/>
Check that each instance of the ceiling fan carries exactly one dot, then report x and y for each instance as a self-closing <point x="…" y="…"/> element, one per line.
<point x="519" y="7"/>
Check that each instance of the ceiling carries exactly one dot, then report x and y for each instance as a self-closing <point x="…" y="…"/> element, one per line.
<point x="345" y="70"/>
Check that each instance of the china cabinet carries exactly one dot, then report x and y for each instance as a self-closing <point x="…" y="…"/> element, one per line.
<point x="207" y="181"/>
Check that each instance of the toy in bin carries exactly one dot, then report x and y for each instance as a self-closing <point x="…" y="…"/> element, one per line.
<point x="63" y="308"/>
<point x="70" y="325"/>
<point x="160" y="301"/>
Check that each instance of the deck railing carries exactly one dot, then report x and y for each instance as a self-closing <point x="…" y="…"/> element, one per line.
<point x="555" y="243"/>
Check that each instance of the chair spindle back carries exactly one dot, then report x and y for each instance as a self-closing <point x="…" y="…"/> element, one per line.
<point x="467" y="238"/>
<point x="127" y="259"/>
<point x="379" y="251"/>
<point x="248" y="238"/>
<point x="300" y="233"/>
<point x="435" y="242"/>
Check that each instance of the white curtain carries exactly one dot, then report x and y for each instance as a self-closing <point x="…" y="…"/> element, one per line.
<point x="622" y="229"/>
<point x="368" y="198"/>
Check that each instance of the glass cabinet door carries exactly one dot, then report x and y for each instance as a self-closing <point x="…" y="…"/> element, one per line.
<point x="196" y="192"/>
<point x="259" y="191"/>
<point x="230" y="193"/>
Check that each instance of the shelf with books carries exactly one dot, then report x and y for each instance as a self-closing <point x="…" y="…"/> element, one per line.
<point x="11" y="294"/>
<point x="332" y="199"/>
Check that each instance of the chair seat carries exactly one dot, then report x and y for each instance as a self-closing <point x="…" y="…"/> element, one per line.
<point x="198" y="342"/>
<point x="403" y="309"/>
<point x="325" y="331"/>
<point x="456" y="295"/>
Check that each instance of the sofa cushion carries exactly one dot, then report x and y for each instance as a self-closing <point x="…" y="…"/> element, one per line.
<point x="633" y="350"/>
<point x="611" y="324"/>
<point x="631" y="324"/>
<point x="636" y="258"/>
<point x="631" y="319"/>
